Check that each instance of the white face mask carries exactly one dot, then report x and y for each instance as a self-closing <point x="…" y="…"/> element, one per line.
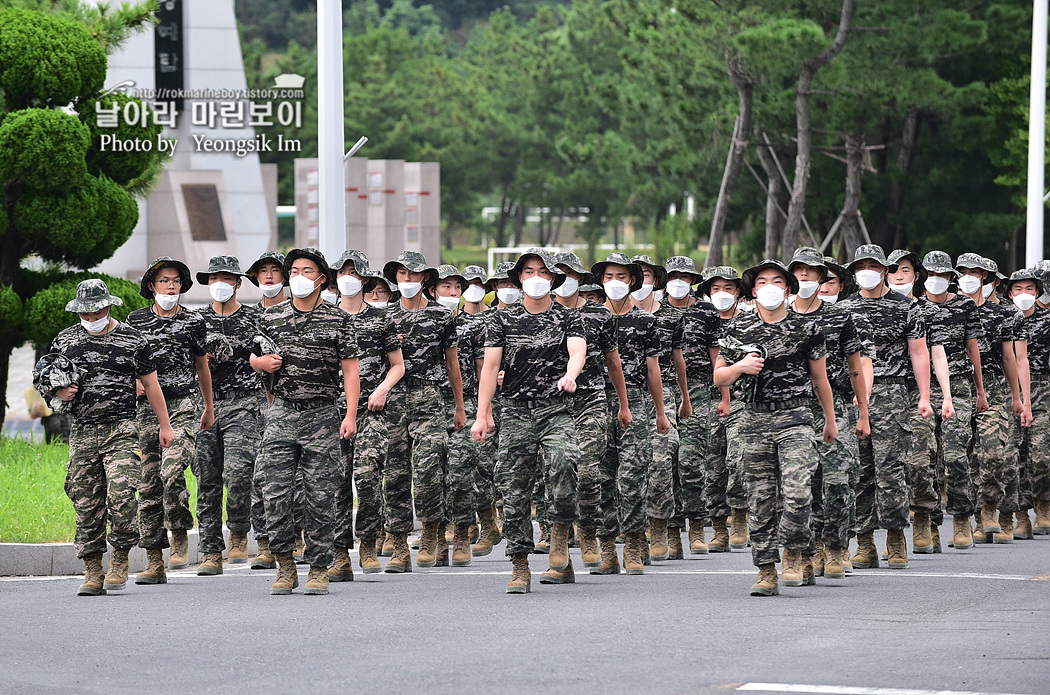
<point x="770" y="296"/>
<point x="536" y="287"/>
<point x="448" y="302"/>
<point x="936" y="285"/>
<point x="1045" y="298"/>
<point x="868" y="279"/>
<point x="968" y="284"/>
<point x="616" y="290"/>
<point x="508" y="295"/>
<point x="987" y="290"/>
<point x="301" y="286"/>
<point x="747" y="306"/>
<point x="221" y="291"/>
<point x="568" y="288"/>
<point x="828" y="298"/>
<point x="167" y="301"/>
<point x="658" y="296"/>
<point x="904" y="289"/>
<point x="271" y="291"/>
<point x="329" y="297"/>
<point x="677" y="289"/>
<point x="807" y="288"/>
<point x="640" y="295"/>
<point x="723" y="300"/>
<point x="378" y="305"/>
<point x="474" y="294"/>
<point x="409" y="289"/>
<point x="1024" y="301"/>
<point x="348" y="285"/>
<point x="101" y="324"/>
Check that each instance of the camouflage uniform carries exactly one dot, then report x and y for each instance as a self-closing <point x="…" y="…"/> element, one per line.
<point x="537" y="417"/>
<point x="723" y="479"/>
<point x="103" y="471"/>
<point x="302" y="425"/>
<point x="1036" y="330"/>
<point x="701" y="329"/>
<point x="660" y="499"/>
<point x="175" y="341"/>
<point x="464" y="452"/>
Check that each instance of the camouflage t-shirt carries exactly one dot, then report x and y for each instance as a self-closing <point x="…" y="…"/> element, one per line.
<point x="1036" y="331"/>
<point x="637" y="337"/>
<point x="600" y="328"/>
<point x="951" y="324"/>
<point x="176" y="342"/>
<point x="998" y="325"/>
<point x="790" y="344"/>
<point x="672" y="337"/>
<point x="894" y="320"/>
<point x="842" y="337"/>
<point x="470" y="343"/>
<point x="425" y="335"/>
<point x="701" y="329"/>
<point x="109" y="364"/>
<point x="376" y="337"/>
<point x="240" y="328"/>
<point x="311" y="345"/>
<point x="535" y="351"/>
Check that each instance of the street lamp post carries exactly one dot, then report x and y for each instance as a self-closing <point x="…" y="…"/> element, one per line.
<point x="331" y="212"/>
<point x="1036" y="136"/>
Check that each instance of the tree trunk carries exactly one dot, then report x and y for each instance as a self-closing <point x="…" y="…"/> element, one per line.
<point x="850" y="228"/>
<point x="501" y="221"/>
<point x="519" y="223"/>
<point x="449" y="224"/>
<point x="803" y="157"/>
<point x="890" y="224"/>
<point x="734" y="161"/>
<point x="774" y="218"/>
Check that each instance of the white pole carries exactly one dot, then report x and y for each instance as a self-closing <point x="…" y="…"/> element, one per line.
<point x="331" y="192"/>
<point x="1036" y="136"/>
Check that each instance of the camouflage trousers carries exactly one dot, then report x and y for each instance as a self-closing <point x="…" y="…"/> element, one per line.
<point x="162" y="486"/>
<point x="723" y="478"/>
<point x="625" y="466"/>
<point x="1039" y="440"/>
<point x="417" y="440"/>
<point x="995" y="460"/>
<point x="464" y="457"/>
<point x="101" y="479"/>
<point x="943" y="445"/>
<point x="304" y="440"/>
<point x="485" y="476"/>
<point x="258" y="509"/>
<point x="777" y="451"/>
<point x="834" y="501"/>
<point x="361" y="466"/>
<point x="882" y="487"/>
<point x="691" y="479"/>
<point x="660" y="484"/>
<point x="591" y="413"/>
<point x="531" y="431"/>
<point x="225" y="456"/>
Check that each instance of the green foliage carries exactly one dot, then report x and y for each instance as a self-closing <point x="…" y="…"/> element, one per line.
<point x="128" y="163"/>
<point x="10" y="311"/>
<point x="46" y="149"/>
<point x="47" y="60"/>
<point x="45" y="311"/>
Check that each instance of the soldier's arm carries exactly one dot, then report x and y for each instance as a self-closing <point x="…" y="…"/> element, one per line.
<point x="455" y="378"/>
<point x="204" y="375"/>
<point x="940" y="369"/>
<point x="156" y="400"/>
<point x="920" y="364"/>
<point x="615" y="367"/>
<point x="377" y="400"/>
<point x="1010" y="371"/>
<point x="974" y="353"/>
<point x="656" y="390"/>
<point x="686" y="408"/>
<point x="1024" y="376"/>
<point x="486" y="390"/>
<point x="819" y="374"/>
<point x="352" y="389"/>
<point x="858" y="378"/>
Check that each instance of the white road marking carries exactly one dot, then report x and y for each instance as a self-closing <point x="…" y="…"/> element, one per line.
<point x="849" y="690"/>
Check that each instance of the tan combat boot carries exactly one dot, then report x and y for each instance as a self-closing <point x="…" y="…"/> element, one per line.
<point x="1042" y="518"/>
<point x="387" y="548"/>
<point x="367" y="557"/>
<point x="401" y="557"/>
<point x="1023" y="526"/>
<point x="317" y="581"/>
<point x="287" y="575"/>
<point x="489" y="534"/>
<point x="428" y="542"/>
<point x="922" y="535"/>
<point x="833" y="565"/>
<point x="450" y="532"/>
<point x="589" y="548"/>
<point x="818" y="558"/>
<point x="963" y="538"/>
<point x="658" y="539"/>
<point x="179" y="556"/>
<point x="264" y="559"/>
<point x="154" y="572"/>
<point x="558" y="556"/>
<point x="989" y="512"/>
<point x="674" y="543"/>
<point x="896" y="550"/>
<point x="867" y="556"/>
<point x="211" y="566"/>
<point x="543" y="545"/>
<point x="720" y="536"/>
<point x="472" y="533"/>
<point x="697" y="544"/>
<point x="739" y="539"/>
<point x="632" y="553"/>
<point x="791" y="568"/>
<point x="935" y="538"/>
<point x="521" y="577"/>
<point x="767" y="581"/>
<point x="1006" y="529"/>
<point x="341" y="570"/>
<point x="300" y="548"/>
<point x="117" y="577"/>
<point x="442" y="551"/>
<point x="553" y="576"/>
<point x="809" y="570"/>
<point x="609" y="564"/>
<point x="238" y="552"/>
<point x="94" y="577"/>
<point x="461" y="547"/>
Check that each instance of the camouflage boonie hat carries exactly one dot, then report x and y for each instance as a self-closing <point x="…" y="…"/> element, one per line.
<point x="55" y="371"/>
<point x="598" y="269"/>
<point x="972" y="260"/>
<point x="92" y="296"/>
<point x="218" y="346"/>
<point x="220" y="264"/>
<point x="268" y="257"/>
<point x="588" y="284"/>
<point x="311" y="254"/>
<point x="501" y="273"/>
<point x="444" y="272"/>
<point x="571" y="261"/>
<point x="683" y="264"/>
<point x="1042" y="271"/>
<point x="415" y="262"/>
<point x="165" y="262"/>
<point x="377" y="277"/>
<point x="659" y="272"/>
<point x="865" y="252"/>
<point x="807" y="255"/>
<point x="1025" y="274"/>
<point x="748" y="278"/>
<point x="549" y="262"/>
<point x="992" y="267"/>
<point x="718" y="272"/>
<point x="899" y="255"/>
<point x="939" y="262"/>
<point x="360" y="262"/>
<point x="475" y="272"/>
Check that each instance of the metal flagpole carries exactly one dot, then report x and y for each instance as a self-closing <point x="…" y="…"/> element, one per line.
<point x="331" y="187"/>
<point x="1036" y="136"/>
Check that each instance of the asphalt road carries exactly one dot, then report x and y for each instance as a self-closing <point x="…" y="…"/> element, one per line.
<point x="971" y="621"/>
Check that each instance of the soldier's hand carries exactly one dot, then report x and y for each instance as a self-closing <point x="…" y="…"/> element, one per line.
<point x="625" y="418"/>
<point x="723" y="407"/>
<point x="67" y="393"/>
<point x="167" y="437"/>
<point x="269" y="363"/>
<point x="752" y="364"/>
<point x="140" y="390"/>
<point x="1026" y="416"/>
<point x="207" y="419"/>
<point x="663" y="425"/>
<point x="831" y="430"/>
<point x="925" y="411"/>
<point x="348" y="428"/>
<point x="499" y="377"/>
<point x="947" y="409"/>
<point x="377" y="401"/>
<point x="1017" y="407"/>
<point x="567" y="384"/>
<point x="982" y="402"/>
<point x="459" y="420"/>
<point x="479" y="430"/>
<point x="863" y="428"/>
<point x="685" y="410"/>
